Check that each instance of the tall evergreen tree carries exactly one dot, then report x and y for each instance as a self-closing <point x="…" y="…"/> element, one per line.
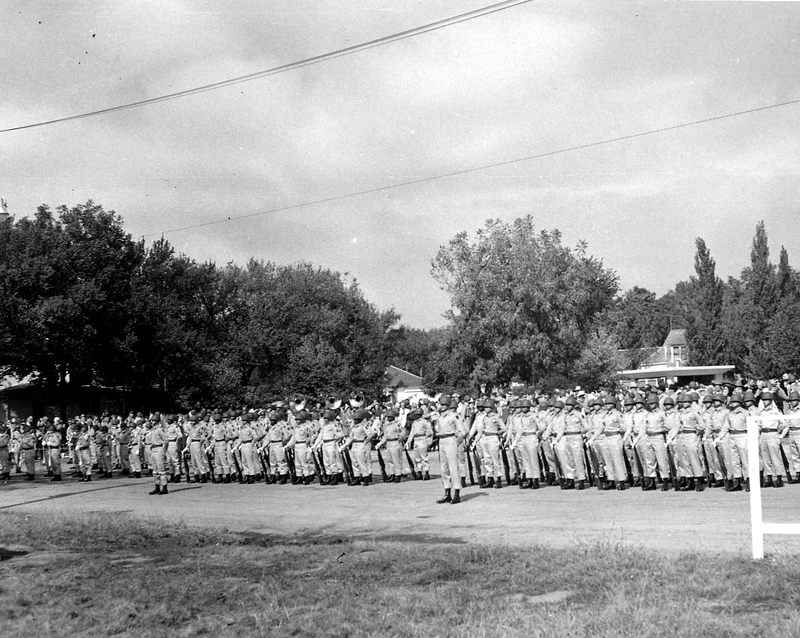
<point x="704" y="329"/>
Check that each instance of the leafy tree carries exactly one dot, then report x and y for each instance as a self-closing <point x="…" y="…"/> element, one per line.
<point x="706" y="296"/>
<point x="522" y="303"/>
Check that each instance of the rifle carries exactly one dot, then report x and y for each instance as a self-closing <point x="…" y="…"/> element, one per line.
<point x="346" y="465"/>
<point x="558" y="465"/>
<point x="411" y="465"/>
<point x="673" y="474"/>
<point x="516" y="464"/>
<point x="470" y="466"/>
<point x="384" y="475"/>
<point x="721" y="461"/>
<point x="236" y="464"/>
<point x="506" y="467"/>
<point x="590" y="470"/>
<point x="706" y="464"/>
<point x="543" y="460"/>
<point x="637" y="459"/>
<point x="786" y="464"/>
<point x="185" y="455"/>
<point x="627" y="462"/>
<point x="289" y="454"/>
<point x="264" y="466"/>
<point x="210" y="466"/>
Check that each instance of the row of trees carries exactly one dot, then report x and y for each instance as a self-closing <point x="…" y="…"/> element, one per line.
<point x="81" y="302"/>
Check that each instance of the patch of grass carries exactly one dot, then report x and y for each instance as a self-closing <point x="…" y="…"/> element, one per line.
<point x="106" y="574"/>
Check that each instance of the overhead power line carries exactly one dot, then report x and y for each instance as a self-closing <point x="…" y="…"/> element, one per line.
<point x="475" y="169"/>
<point x="402" y="35"/>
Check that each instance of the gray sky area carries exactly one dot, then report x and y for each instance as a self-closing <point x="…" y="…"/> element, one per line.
<point x="528" y="80"/>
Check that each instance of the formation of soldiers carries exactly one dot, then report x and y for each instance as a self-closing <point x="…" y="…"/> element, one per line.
<point x="646" y="437"/>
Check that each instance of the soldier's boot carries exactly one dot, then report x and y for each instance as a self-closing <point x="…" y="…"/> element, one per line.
<point x="463" y="482"/>
<point x="489" y="481"/>
<point x="369" y="479"/>
<point x="426" y="476"/>
<point x="164" y="490"/>
<point x="569" y="484"/>
<point x="534" y="484"/>
<point x="698" y="484"/>
<point x="637" y="482"/>
<point x="514" y="481"/>
<point x="580" y="485"/>
<point x="687" y="485"/>
<point x="385" y="477"/>
<point x="156" y="490"/>
<point x="446" y="498"/>
<point x="309" y="480"/>
<point x="522" y="482"/>
<point x="296" y="479"/>
<point x="651" y="485"/>
<point x="252" y="480"/>
<point x="790" y="479"/>
<point x="57" y="477"/>
<point x="88" y="478"/>
<point x="227" y="478"/>
<point x="284" y="478"/>
<point x="621" y="485"/>
<point x="608" y="485"/>
<point x="747" y="485"/>
<point x="30" y="477"/>
<point x="482" y="481"/>
<point x="768" y="481"/>
<point x="778" y="481"/>
<point x="498" y="483"/>
<point x="456" y="497"/>
<point x="335" y="480"/>
<point x="418" y="476"/>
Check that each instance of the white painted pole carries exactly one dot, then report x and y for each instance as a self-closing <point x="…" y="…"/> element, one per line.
<point x="756" y="515"/>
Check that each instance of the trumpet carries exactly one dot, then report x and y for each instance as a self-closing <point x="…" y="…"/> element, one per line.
<point x="333" y="402"/>
<point x="298" y="403"/>
<point x="356" y="399"/>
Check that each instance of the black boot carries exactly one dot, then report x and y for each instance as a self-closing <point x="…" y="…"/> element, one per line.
<point x="551" y="478"/>
<point x="687" y="485"/>
<point x="621" y="485"/>
<point x="698" y="484"/>
<point x="164" y="490"/>
<point x="30" y="477"/>
<point x="489" y="482"/>
<point x="456" y="497"/>
<point x="498" y="483"/>
<point x="580" y="485"/>
<point x="227" y="478"/>
<point x="778" y="481"/>
<point x="569" y="484"/>
<point x="446" y="498"/>
<point x="608" y="485"/>
<point x="426" y="476"/>
<point x="747" y="485"/>
<point x="57" y="477"/>
<point x="463" y="482"/>
<point x="768" y="481"/>
<point x="664" y="485"/>
<point x="284" y="478"/>
<point x="335" y="480"/>
<point x="534" y="484"/>
<point x="482" y="481"/>
<point x="651" y="485"/>
<point x="523" y="482"/>
<point x="156" y="490"/>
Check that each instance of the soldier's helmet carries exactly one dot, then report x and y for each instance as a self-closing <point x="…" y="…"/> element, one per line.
<point x="749" y="396"/>
<point x="708" y="399"/>
<point x="391" y="413"/>
<point x="652" y="399"/>
<point x="445" y="400"/>
<point x="415" y="414"/>
<point x="767" y="396"/>
<point x="628" y="401"/>
<point x="571" y="401"/>
<point x="558" y="405"/>
<point x="525" y="403"/>
<point x="736" y="398"/>
<point x="328" y="415"/>
<point x="609" y="400"/>
<point x="794" y="396"/>
<point x="669" y="401"/>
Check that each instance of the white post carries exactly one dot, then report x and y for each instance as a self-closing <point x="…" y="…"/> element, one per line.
<point x="756" y="515"/>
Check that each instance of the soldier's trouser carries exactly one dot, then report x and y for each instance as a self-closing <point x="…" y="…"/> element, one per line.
<point x="794" y="449"/>
<point x="655" y="456"/>
<point x="246" y="458"/>
<point x="29" y="457"/>
<point x="199" y="462"/>
<point x="148" y="457"/>
<point x="55" y="460"/>
<point x="255" y="459"/>
<point x="421" y="454"/>
<point x="358" y="456"/>
<point x="158" y="456"/>
<point x="330" y="458"/>
<point x="104" y="459"/>
<point x="688" y="453"/>
<point x="221" y="464"/>
<point x="627" y="448"/>
<point x="173" y="458"/>
<point x="573" y="464"/>
<point x="549" y="455"/>
<point x="394" y="458"/>
<point x="771" y="448"/>
<point x="714" y="468"/>
<point x="136" y="462"/>
<point x="85" y="461"/>
<point x="724" y="450"/>
<point x="448" y="461"/>
<point x="124" y="456"/>
<point x="277" y="458"/>
<point x="492" y="459"/>
<point x="596" y="460"/>
<point x="739" y="458"/>
<point x="529" y="453"/>
<point x="611" y="448"/>
<point x="46" y="457"/>
<point x="5" y="460"/>
<point x="461" y="457"/>
<point x="93" y="453"/>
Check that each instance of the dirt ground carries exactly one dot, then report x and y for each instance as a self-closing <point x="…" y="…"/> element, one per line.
<point x="713" y="521"/>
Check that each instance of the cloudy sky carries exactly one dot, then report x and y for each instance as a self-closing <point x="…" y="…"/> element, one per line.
<point x="528" y="80"/>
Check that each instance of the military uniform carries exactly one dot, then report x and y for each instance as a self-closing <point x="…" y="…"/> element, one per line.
<point x="687" y="444"/>
<point x="84" y="454"/>
<point x="449" y="428"/>
<point x="155" y="441"/>
<point x="420" y="437"/>
<point x="770" y="442"/>
<point x="393" y="435"/>
<point x="526" y="440"/>
<point x="27" y="444"/>
<point x="329" y="435"/>
<point x="5" y="454"/>
<point x="300" y="444"/>
<point x="275" y="437"/>
<point x="653" y="445"/>
<point x="490" y="432"/>
<point x="247" y="437"/>
<point x="610" y="432"/>
<point x="52" y="446"/>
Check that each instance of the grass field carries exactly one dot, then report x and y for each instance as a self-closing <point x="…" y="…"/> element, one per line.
<point x="116" y="575"/>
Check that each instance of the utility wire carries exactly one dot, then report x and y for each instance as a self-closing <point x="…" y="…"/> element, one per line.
<point x="475" y="169"/>
<point x="402" y="35"/>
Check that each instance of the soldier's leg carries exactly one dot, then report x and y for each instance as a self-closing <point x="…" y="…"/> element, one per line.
<point x="395" y="450"/>
<point x="55" y="461"/>
<point x="461" y="456"/>
<point x="421" y="446"/>
<point x="565" y="458"/>
<point x="772" y="446"/>
<point x="575" y="444"/>
<point x="627" y="449"/>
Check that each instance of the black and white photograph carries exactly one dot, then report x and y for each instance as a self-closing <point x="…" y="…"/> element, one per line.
<point x="414" y="319"/>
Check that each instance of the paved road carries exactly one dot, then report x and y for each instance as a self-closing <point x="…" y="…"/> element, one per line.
<point x="709" y="521"/>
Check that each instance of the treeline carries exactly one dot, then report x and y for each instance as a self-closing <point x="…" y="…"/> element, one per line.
<point x="82" y="302"/>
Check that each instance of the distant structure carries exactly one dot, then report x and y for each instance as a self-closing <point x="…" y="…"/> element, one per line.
<point x="402" y="384"/>
<point x="3" y="209"/>
<point x="667" y="364"/>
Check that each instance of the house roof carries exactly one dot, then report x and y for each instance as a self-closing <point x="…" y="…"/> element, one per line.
<point x="397" y="378"/>
<point x="675" y="338"/>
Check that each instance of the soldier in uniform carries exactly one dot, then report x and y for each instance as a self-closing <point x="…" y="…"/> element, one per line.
<point x="737" y="429"/>
<point x="5" y="454"/>
<point x="137" y="441"/>
<point x="477" y="447"/>
<point x="689" y="424"/>
<point x="156" y="441"/>
<point x="392" y="440"/>
<point x="276" y="436"/>
<point x="791" y="428"/>
<point x="421" y="435"/>
<point x="123" y="438"/>
<point x="195" y="439"/>
<point x="103" y="441"/>
<point x="52" y="448"/>
<point x="770" y="442"/>
<point x="611" y="448"/>
<point x="27" y="444"/>
<point x="84" y="453"/>
<point x="329" y="435"/>
<point x="627" y="446"/>
<point x="219" y="439"/>
<point x="449" y="428"/>
<point x="526" y="440"/>
<point x="570" y="428"/>
<point x="491" y="432"/>
<point x="302" y="434"/>
<point x="174" y="434"/>
<point x="247" y="438"/>
<point x="651" y="441"/>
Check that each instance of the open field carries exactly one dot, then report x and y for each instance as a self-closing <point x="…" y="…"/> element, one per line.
<point x="712" y="521"/>
<point x="112" y="574"/>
